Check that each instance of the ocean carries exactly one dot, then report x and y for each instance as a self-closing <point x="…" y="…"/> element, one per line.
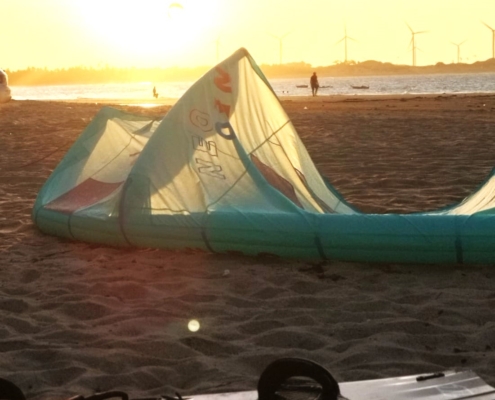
<point x="377" y="85"/>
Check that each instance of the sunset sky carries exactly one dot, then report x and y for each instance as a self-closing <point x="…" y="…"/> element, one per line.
<point x="185" y="33"/>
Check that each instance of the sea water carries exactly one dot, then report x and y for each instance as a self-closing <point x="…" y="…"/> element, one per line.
<point x="377" y="85"/>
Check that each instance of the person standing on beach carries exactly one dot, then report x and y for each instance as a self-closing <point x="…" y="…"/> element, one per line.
<point x="314" y="84"/>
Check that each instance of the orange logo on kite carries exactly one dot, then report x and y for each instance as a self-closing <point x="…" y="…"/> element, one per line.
<point x="223" y="108"/>
<point x="223" y="81"/>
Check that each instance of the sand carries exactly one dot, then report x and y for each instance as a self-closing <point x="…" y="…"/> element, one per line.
<point x="77" y="318"/>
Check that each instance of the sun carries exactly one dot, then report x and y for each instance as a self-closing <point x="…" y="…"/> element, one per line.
<point x="143" y="28"/>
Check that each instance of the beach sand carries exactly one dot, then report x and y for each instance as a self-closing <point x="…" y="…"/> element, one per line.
<point x="77" y="318"/>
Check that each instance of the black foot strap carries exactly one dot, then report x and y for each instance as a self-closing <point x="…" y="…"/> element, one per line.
<point x="9" y="391"/>
<point x="279" y="371"/>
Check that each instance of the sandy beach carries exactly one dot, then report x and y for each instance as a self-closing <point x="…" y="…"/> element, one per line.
<point x="77" y="318"/>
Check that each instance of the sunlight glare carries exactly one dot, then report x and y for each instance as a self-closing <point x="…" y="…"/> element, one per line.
<point x="149" y="27"/>
<point x="175" y="10"/>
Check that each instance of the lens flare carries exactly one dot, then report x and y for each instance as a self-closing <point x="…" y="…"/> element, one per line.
<point x="193" y="325"/>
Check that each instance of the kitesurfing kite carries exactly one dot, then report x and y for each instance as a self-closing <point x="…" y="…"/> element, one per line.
<point x="225" y="170"/>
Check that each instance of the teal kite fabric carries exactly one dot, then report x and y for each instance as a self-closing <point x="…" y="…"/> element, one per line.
<point x="225" y="170"/>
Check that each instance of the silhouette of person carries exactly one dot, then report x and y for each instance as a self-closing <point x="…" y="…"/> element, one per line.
<point x="314" y="84"/>
<point x="155" y="93"/>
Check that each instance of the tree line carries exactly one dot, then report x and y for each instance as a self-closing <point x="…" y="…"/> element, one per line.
<point x="89" y="75"/>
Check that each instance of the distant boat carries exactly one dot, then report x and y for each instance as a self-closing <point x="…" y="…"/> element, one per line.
<point x="5" y="94"/>
<point x="302" y="86"/>
<point x="360" y="87"/>
<point x="325" y="87"/>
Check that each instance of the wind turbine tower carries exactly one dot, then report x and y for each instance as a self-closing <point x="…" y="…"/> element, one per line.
<point x="493" y="38"/>
<point x="344" y="39"/>
<point x="458" y="50"/>
<point x="413" y="42"/>
<point x="280" y="39"/>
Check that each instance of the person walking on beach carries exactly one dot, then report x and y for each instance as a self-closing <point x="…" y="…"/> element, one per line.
<point x="155" y="93"/>
<point x="314" y="84"/>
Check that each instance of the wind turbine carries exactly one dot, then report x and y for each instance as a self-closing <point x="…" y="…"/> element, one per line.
<point x="458" y="50"/>
<point x="414" y="43"/>
<point x="493" y="38"/>
<point x="280" y="39"/>
<point x="345" y="42"/>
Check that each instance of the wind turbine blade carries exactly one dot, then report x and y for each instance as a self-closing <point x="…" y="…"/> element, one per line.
<point x="488" y="26"/>
<point x="341" y="40"/>
<point x="417" y="33"/>
<point x="409" y="28"/>
<point x="276" y="37"/>
<point x="348" y="37"/>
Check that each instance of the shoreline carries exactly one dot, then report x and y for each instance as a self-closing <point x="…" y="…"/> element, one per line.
<point x="382" y="97"/>
<point x="333" y="98"/>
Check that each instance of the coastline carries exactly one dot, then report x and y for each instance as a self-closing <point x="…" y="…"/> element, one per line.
<point x="331" y="98"/>
<point x="381" y="97"/>
<point x="162" y="101"/>
<point x="79" y="317"/>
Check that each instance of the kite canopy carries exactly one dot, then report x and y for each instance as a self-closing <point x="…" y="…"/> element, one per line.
<point x="225" y="170"/>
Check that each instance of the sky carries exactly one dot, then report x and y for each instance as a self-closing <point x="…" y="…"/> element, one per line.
<point x="187" y="33"/>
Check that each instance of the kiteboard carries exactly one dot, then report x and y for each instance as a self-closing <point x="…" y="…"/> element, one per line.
<point x="299" y="379"/>
<point x="445" y="385"/>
